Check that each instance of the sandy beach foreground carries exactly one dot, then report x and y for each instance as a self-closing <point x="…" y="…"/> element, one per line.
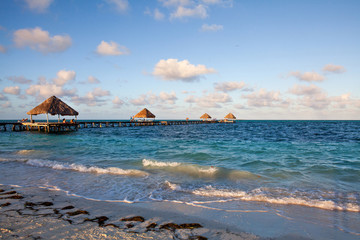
<point x="36" y="213"/>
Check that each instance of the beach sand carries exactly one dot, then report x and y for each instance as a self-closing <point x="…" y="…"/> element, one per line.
<point x="37" y="213"/>
<point x="45" y="213"/>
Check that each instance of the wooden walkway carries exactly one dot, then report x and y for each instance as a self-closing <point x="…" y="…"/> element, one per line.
<point x="65" y="127"/>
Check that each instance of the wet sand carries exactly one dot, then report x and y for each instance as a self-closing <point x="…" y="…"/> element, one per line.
<point x="41" y="213"/>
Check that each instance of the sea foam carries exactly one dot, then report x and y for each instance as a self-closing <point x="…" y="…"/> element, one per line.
<point x="82" y="168"/>
<point x="258" y="196"/>
<point x="184" y="168"/>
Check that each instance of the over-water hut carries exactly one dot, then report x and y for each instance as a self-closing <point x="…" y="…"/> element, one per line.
<point x="230" y="117"/>
<point x="205" y="117"/>
<point x="53" y="106"/>
<point x="144" y="114"/>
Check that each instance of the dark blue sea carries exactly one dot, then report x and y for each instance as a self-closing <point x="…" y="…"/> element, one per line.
<point x="314" y="164"/>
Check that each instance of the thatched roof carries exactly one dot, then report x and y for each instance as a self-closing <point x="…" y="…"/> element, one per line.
<point x="53" y="106"/>
<point x="230" y="116"/>
<point x="205" y="116"/>
<point x="144" y="114"/>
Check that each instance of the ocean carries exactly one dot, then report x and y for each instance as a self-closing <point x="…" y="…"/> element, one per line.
<point x="222" y="167"/>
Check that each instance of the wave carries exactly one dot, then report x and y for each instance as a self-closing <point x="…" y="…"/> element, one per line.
<point x="195" y="170"/>
<point x="183" y="168"/>
<point x="25" y="151"/>
<point x="82" y="168"/>
<point x="79" y="167"/>
<point x="257" y="195"/>
<point x="151" y="163"/>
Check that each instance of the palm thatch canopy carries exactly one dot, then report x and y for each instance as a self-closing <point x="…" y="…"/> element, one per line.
<point x="230" y="116"/>
<point x="144" y="114"/>
<point x="205" y="116"/>
<point x="53" y="106"/>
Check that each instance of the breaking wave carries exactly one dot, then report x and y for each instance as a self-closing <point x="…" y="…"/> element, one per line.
<point x="195" y="170"/>
<point x="80" y="168"/>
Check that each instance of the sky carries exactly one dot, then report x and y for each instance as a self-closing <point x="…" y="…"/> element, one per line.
<point x="109" y="59"/>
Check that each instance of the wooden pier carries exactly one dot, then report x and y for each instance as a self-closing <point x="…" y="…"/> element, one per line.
<point x="39" y="126"/>
<point x="54" y="127"/>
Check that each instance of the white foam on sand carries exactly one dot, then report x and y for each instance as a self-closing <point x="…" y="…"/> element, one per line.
<point x="258" y="196"/>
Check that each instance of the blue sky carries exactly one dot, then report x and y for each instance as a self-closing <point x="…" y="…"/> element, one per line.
<point x="108" y="59"/>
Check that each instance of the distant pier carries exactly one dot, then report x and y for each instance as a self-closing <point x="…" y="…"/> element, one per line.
<point x="65" y="127"/>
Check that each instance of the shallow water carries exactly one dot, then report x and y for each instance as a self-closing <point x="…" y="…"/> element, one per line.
<point x="309" y="163"/>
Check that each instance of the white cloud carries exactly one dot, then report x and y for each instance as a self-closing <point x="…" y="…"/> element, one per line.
<point x="211" y="100"/>
<point x="99" y="92"/>
<point x="3" y="97"/>
<point x="211" y="28"/>
<point x="181" y="9"/>
<point x="64" y="77"/>
<point x="334" y="68"/>
<point x="93" y="80"/>
<point x="38" y="5"/>
<point x="6" y="105"/>
<point x="12" y="90"/>
<point x="151" y="99"/>
<point x="307" y="76"/>
<point x="316" y="98"/>
<point x="117" y="102"/>
<point x="111" y="49"/>
<point x="343" y="101"/>
<point x="305" y="90"/>
<point x="172" y="69"/>
<point x="93" y="98"/>
<point x="19" y="79"/>
<point x="2" y="49"/>
<point x="229" y="86"/>
<point x="169" y="98"/>
<point x="264" y="98"/>
<point x="183" y="12"/>
<point x="49" y="90"/>
<point x="158" y="15"/>
<point x="121" y="5"/>
<point x="311" y="96"/>
<point x="41" y="41"/>
<point x="45" y="90"/>
<point x="225" y="3"/>
<point x="145" y="99"/>
<point x="176" y="3"/>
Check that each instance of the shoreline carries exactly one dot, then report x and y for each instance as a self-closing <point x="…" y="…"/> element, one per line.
<point x="43" y="213"/>
<point x="38" y="213"/>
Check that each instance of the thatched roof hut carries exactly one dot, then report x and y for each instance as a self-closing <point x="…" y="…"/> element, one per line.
<point x="53" y="106"/>
<point x="205" y="116"/>
<point x="230" y="116"/>
<point x="144" y="114"/>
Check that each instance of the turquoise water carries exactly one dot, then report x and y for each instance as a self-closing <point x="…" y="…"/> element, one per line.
<point x="309" y="163"/>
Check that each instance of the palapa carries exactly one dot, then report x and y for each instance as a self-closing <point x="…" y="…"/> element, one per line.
<point x="53" y="106"/>
<point x="205" y="116"/>
<point x="230" y="116"/>
<point x="144" y="114"/>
